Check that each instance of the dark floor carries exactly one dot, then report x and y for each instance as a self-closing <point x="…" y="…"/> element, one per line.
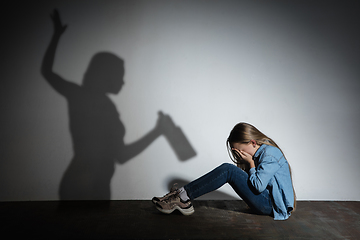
<point x="140" y="220"/>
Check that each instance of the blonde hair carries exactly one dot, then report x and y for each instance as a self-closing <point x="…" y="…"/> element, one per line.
<point x="244" y="133"/>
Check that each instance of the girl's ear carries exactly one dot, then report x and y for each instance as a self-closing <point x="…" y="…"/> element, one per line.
<point x="253" y="142"/>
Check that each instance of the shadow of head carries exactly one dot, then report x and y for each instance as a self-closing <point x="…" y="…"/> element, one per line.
<point x="105" y="73"/>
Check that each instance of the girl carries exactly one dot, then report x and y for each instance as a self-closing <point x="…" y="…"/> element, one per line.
<point x="262" y="177"/>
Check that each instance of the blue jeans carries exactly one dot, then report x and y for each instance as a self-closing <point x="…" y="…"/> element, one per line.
<point x="261" y="203"/>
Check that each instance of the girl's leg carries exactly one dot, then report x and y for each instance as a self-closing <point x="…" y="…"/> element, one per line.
<point x="238" y="179"/>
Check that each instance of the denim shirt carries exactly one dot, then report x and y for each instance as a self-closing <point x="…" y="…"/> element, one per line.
<point x="272" y="172"/>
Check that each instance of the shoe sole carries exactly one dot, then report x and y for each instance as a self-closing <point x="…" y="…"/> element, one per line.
<point x="187" y="211"/>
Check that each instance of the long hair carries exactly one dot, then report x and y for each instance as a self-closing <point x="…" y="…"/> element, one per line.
<point x="244" y="133"/>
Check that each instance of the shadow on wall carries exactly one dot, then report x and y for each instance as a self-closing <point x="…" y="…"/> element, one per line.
<point x="95" y="126"/>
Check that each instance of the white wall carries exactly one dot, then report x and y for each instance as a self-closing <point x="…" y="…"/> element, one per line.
<point x="291" y="69"/>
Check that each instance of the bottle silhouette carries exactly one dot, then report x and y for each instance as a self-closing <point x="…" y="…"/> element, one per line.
<point x="177" y="140"/>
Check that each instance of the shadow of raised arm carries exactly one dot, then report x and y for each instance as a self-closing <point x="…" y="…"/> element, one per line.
<point x="57" y="82"/>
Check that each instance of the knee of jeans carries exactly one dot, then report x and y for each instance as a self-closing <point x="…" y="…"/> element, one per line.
<point x="229" y="168"/>
<point x="226" y="165"/>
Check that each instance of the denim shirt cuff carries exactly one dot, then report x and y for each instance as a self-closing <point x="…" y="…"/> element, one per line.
<point x="252" y="171"/>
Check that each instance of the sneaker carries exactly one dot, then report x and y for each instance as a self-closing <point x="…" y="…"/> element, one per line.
<point x="174" y="202"/>
<point x="173" y="191"/>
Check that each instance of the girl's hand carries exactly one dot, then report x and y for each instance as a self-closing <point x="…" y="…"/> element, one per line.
<point x="246" y="157"/>
<point x="59" y="28"/>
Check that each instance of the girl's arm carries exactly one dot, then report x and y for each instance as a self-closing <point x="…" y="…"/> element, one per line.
<point x="265" y="171"/>
<point x="261" y="175"/>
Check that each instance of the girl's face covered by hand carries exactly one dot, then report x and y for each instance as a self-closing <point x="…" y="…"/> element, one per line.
<point x="249" y="148"/>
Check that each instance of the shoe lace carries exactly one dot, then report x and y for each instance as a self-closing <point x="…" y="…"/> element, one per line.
<point x="171" y="197"/>
<point x="173" y="190"/>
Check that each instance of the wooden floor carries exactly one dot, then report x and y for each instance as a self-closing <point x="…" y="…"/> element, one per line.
<point x="140" y="220"/>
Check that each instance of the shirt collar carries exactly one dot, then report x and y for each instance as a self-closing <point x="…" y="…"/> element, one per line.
<point x="260" y="150"/>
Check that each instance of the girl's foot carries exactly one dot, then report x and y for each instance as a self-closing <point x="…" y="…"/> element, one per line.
<point x="173" y="191"/>
<point x="174" y="202"/>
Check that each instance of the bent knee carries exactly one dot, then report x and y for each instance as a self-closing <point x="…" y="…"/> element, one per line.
<point x="227" y="166"/>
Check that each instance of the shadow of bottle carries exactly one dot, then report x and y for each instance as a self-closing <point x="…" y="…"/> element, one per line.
<point x="177" y="139"/>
